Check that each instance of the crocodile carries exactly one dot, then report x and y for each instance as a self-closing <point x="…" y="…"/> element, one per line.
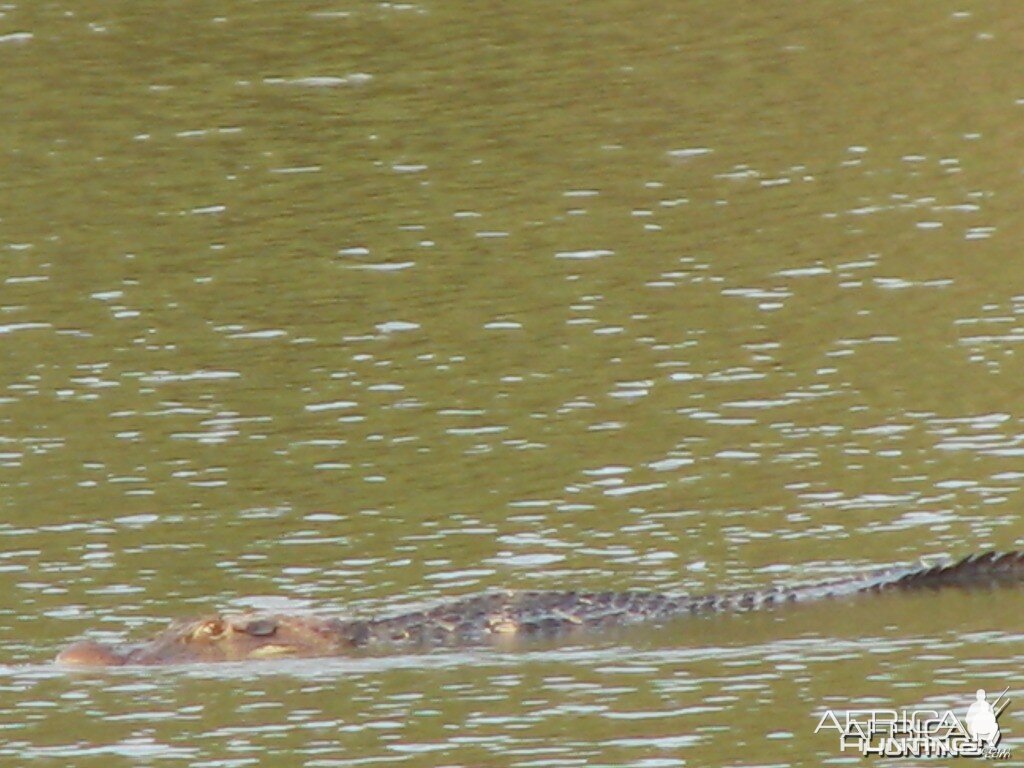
<point x="494" y="618"/>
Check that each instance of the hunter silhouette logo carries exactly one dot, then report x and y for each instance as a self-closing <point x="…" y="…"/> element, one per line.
<point x="921" y="732"/>
<point x="981" y="719"/>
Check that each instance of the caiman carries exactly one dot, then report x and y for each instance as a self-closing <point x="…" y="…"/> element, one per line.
<point x="496" y="617"/>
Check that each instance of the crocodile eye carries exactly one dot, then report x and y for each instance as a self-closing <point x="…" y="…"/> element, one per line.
<point x="260" y="627"/>
<point x="210" y="630"/>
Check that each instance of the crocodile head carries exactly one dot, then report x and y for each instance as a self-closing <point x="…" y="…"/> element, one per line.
<point x="229" y="637"/>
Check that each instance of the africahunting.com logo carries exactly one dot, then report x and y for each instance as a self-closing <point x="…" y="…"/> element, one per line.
<point x="921" y="732"/>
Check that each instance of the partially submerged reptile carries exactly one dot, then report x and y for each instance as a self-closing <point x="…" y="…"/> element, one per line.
<point x="493" y="618"/>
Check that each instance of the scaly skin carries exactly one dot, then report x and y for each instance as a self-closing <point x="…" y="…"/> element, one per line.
<point x="496" y="617"/>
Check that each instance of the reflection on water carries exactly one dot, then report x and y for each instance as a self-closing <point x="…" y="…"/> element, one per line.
<point x="374" y="303"/>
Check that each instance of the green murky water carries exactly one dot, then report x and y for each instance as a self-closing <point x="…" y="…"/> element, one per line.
<point x="347" y="304"/>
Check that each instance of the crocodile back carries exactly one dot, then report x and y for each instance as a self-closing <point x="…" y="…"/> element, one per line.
<point x="494" y="616"/>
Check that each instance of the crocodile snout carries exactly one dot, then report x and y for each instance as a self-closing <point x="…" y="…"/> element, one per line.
<point x="87" y="653"/>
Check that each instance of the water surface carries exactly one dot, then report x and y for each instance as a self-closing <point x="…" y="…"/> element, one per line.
<point x="350" y="305"/>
